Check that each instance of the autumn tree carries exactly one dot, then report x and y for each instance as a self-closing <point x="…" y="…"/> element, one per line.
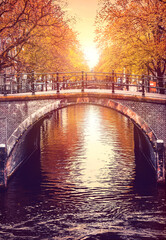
<point x="134" y="31"/>
<point x="53" y="49"/>
<point x="20" y="22"/>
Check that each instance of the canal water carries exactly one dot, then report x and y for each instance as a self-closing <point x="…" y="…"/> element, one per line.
<point x="83" y="183"/>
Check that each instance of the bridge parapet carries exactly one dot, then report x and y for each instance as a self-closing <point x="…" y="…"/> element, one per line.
<point x="39" y="82"/>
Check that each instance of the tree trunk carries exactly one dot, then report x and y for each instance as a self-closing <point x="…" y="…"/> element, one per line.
<point x="160" y="79"/>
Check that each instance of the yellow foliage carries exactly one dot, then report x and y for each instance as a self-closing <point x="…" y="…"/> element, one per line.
<point x="35" y="36"/>
<point x="135" y="33"/>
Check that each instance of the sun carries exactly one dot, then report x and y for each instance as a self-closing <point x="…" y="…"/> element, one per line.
<point x="91" y="56"/>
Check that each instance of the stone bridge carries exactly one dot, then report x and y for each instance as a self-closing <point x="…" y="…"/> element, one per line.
<point x="18" y="114"/>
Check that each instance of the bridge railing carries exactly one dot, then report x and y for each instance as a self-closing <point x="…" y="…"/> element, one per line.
<point x="39" y="82"/>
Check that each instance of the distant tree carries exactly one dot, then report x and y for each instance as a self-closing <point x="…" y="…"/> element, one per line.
<point x="53" y="49"/>
<point x="135" y="34"/>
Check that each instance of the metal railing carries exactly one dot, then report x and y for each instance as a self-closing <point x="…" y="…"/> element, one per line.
<point x="38" y="82"/>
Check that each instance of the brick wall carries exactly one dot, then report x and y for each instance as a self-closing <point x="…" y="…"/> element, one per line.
<point x="154" y="115"/>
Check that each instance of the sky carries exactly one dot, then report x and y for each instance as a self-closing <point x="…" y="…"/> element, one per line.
<point x="84" y="12"/>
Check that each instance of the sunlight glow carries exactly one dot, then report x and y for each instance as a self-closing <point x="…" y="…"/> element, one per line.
<point x="98" y="155"/>
<point x="91" y="56"/>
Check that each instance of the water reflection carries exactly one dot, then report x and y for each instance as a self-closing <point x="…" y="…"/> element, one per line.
<point x="82" y="153"/>
<point x="82" y="185"/>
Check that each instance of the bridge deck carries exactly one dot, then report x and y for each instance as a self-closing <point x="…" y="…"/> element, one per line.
<point x="127" y="94"/>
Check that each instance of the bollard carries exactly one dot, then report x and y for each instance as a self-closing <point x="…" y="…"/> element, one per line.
<point x="160" y="161"/>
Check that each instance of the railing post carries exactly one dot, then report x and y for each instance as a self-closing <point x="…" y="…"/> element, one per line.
<point x="106" y="80"/>
<point x="113" y="84"/>
<point x="63" y="82"/>
<point x="45" y="77"/>
<point x="148" y="83"/>
<point x="143" y="86"/>
<point x="127" y="82"/>
<point x="52" y="82"/>
<point x="86" y="80"/>
<point x="57" y="82"/>
<point x="26" y="84"/>
<point x="42" y="83"/>
<point x="113" y="87"/>
<point x="109" y="84"/>
<point x="18" y="82"/>
<point x="21" y="83"/>
<point x="113" y="75"/>
<point x="33" y="83"/>
<point x="82" y="89"/>
<point x="4" y="84"/>
<point x="11" y="85"/>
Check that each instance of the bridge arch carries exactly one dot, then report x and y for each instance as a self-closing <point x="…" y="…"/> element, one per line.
<point x="57" y="104"/>
<point x="13" y="143"/>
